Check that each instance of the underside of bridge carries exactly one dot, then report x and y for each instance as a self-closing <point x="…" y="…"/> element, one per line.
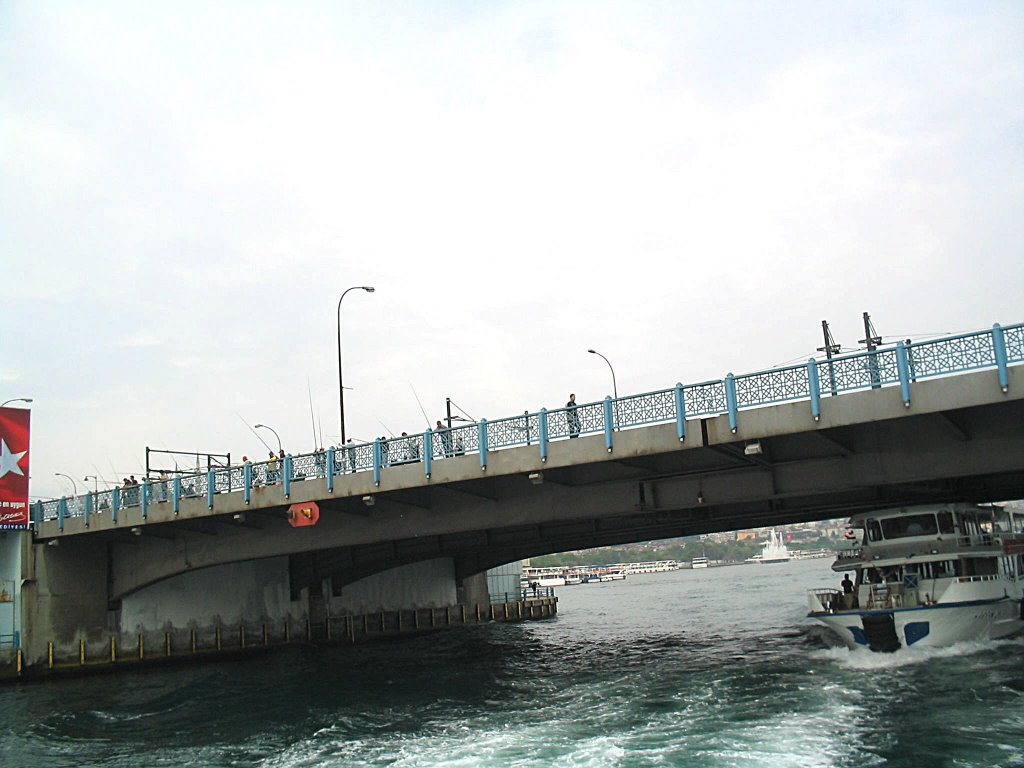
<point x="971" y="455"/>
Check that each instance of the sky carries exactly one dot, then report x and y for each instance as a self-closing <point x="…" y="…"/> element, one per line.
<point x="690" y="188"/>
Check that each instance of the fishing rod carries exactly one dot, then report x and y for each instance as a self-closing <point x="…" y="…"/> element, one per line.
<point x="312" y="420"/>
<point x="422" y="410"/>
<point x="254" y="432"/>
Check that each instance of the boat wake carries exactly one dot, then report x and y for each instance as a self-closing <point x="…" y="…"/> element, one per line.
<point x="863" y="659"/>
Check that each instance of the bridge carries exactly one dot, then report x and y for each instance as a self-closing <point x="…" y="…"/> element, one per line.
<point x="422" y="519"/>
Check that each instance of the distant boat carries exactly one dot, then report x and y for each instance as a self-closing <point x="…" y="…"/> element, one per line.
<point x="774" y="550"/>
<point x="699" y="562"/>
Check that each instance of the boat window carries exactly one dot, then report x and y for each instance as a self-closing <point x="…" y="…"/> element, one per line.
<point x="946" y="522"/>
<point x="874" y="531"/>
<point x="909" y="525"/>
<point x="982" y="566"/>
<point x="944" y="568"/>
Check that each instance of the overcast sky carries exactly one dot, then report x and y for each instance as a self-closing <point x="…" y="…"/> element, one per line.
<point x="186" y="189"/>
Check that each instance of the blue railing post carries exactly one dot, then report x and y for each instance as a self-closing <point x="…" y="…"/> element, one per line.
<point x="730" y="400"/>
<point x="428" y="452"/>
<point x="542" y="427"/>
<point x="330" y="469"/>
<point x="211" y="486"/>
<point x="903" y="371"/>
<point x="88" y="509"/>
<point x="144" y="501"/>
<point x="814" y="384"/>
<point x="62" y="512"/>
<point x="609" y="423"/>
<point x="482" y="439"/>
<point x="376" y="461"/>
<point x="999" y="346"/>
<point x="680" y="413"/>
<point x="247" y="482"/>
<point x="286" y="467"/>
<point x="115" y="504"/>
<point x="176" y="494"/>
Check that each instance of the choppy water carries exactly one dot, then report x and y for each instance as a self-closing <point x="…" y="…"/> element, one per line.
<point x="695" y="668"/>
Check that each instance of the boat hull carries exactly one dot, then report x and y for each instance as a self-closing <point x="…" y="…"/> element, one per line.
<point x="929" y="626"/>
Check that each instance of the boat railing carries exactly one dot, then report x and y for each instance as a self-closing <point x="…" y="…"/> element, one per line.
<point x="823" y="599"/>
<point x="974" y="579"/>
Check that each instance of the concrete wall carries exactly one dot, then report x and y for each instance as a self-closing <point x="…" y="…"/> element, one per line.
<point x="255" y="591"/>
<point x="64" y="594"/>
<point x="427" y="584"/>
<point x="10" y="580"/>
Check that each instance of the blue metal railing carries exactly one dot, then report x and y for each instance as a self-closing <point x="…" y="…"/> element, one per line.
<point x="891" y="365"/>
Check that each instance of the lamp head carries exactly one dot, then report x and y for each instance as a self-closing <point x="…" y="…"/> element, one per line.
<point x="368" y="288"/>
<point x="592" y="351"/>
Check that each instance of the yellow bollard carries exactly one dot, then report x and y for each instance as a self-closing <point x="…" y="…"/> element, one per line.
<point x="81" y="651"/>
<point x="113" y="649"/>
<point x="218" y="638"/>
<point x="20" y="662"/>
<point x="49" y="654"/>
<point x="167" y="643"/>
<point x="142" y="648"/>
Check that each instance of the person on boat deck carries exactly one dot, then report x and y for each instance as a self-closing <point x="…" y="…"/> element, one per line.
<point x="847" y="584"/>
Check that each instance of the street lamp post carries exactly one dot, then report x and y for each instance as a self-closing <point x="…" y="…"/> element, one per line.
<point x="264" y="426"/>
<point x="95" y="482"/>
<point x="16" y="400"/>
<point x="69" y="477"/>
<point x="341" y="386"/>
<point x="615" y="389"/>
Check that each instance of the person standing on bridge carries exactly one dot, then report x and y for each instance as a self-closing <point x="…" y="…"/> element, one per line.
<point x="572" y="418"/>
<point x="446" y="438"/>
<point x="272" y="469"/>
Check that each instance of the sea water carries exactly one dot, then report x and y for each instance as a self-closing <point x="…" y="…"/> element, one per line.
<point x="708" y="668"/>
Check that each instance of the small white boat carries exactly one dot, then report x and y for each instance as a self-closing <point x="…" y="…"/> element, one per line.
<point x="928" y="576"/>
<point x="699" y="562"/>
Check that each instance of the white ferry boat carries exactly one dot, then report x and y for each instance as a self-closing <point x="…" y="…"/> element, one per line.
<point x="699" y="562"/>
<point x="774" y="551"/>
<point x="928" y="576"/>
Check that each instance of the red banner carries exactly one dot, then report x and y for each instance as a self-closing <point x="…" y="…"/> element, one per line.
<point x="14" y="430"/>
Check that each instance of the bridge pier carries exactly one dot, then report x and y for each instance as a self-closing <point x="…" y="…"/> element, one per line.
<point x="68" y="623"/>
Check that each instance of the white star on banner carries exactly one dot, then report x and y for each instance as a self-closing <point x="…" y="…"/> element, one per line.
<point x="9" y="461"/>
